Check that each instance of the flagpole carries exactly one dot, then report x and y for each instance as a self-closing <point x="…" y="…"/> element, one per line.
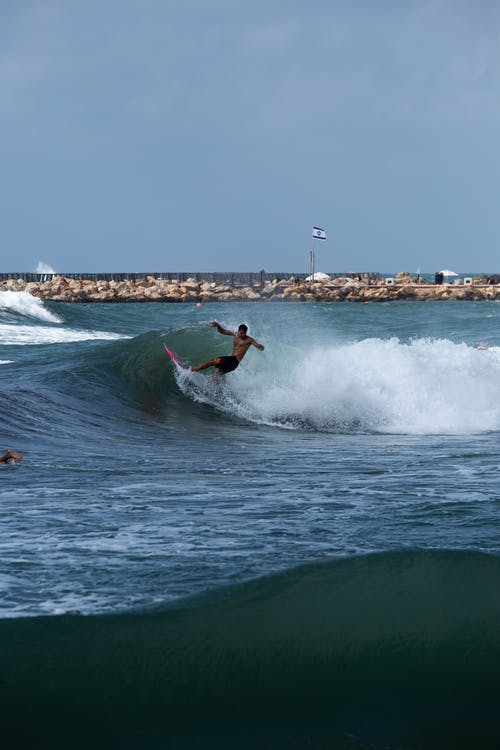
<point x="317" y="233"/>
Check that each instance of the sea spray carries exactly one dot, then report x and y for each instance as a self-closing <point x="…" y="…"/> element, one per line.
<point x="426" y="386"/>
<point x="44" y="268"/>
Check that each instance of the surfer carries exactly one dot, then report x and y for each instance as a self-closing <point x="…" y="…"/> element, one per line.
<point x="241" y="344"/>
<point x="11" y="457"/>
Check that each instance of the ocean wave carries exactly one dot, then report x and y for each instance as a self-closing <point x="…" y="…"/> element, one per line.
<point x="422" y="387"/>
<point x="25" y="304"/>
<point x="15" y="306"/>
<point x="425" y="386"/>
<point x="22" y="335"/>
<point x="374" y="651"/>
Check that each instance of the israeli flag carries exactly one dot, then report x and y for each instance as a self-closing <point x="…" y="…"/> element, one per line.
<point x="319" y="234"/>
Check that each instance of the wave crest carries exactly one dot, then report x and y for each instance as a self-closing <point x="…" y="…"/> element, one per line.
<point x="23" y="303"/>
<point x="423" y="387"/>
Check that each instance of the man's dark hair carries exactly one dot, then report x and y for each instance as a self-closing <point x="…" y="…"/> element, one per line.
<point x="243" y="327"/>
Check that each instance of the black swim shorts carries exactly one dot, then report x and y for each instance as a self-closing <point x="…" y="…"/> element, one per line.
<point x="226" y="364"/>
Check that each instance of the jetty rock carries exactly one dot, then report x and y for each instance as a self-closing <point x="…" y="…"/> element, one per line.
<point x="353" y="288"/>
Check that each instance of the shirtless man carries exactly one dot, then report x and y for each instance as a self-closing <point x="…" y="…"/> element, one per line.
<point x="241" y="344"/>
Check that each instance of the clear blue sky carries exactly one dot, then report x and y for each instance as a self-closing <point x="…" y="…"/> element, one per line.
<point x="209" y="135"/>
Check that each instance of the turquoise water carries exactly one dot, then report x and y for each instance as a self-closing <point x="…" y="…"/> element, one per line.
<point x="305" y="555"/>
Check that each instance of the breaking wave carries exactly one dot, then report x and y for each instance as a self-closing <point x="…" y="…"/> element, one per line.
<point x="423" y="387"/>
<point x="25" y="304"/>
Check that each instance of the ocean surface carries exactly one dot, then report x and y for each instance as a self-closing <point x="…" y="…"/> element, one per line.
<point x="305" y="554"/>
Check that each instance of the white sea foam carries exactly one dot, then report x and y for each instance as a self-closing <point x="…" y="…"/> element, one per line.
<point x="424" y="387"/>
<point x="44" y="268"/>
<point x="23" y="335"/>
<point x="26" y="304"/>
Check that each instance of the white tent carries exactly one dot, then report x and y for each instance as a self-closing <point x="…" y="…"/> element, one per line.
<point x="448" y="273"/>
<point x="318" y="276"/>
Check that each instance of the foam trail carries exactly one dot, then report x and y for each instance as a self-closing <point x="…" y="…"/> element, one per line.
<point x="424" y="387"/>
<point x="23" y="335"/>
<point x="26" y="304"/>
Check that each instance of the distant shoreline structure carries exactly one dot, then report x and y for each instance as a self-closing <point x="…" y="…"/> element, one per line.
<point x="236" y="286"/>
<point x="236" y="278"/>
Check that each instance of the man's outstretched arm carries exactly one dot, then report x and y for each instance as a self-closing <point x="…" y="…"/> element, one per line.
<point x="258" y="346"/>
<point x="221" y="329"/>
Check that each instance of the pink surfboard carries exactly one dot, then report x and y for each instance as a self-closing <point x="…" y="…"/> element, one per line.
<point x="173" y="356"/>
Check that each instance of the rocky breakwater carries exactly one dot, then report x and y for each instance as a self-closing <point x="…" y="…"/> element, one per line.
<point x="402" y="287"/>
<point x="344" y="289"/>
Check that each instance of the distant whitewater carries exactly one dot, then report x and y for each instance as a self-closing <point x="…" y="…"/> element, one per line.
<point x="22" y="305"/>
<point x="44" y="268"/>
